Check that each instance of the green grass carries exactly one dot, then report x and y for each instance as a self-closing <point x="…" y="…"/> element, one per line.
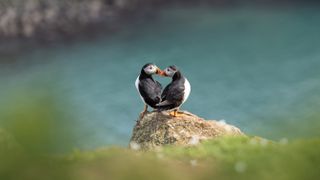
<point x="224" y="158"/>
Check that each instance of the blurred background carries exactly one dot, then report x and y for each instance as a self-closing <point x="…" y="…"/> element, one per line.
<point x="67" y="67"/>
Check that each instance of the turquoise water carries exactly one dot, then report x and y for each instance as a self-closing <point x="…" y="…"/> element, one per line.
<point x="255" y="68"/>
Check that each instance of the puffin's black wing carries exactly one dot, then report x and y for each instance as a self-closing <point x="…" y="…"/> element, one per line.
<point x="158" y="89"/>
<point x="165" y="92"/>
<point x="172" y="96"/>
<point x="150" y="90"/>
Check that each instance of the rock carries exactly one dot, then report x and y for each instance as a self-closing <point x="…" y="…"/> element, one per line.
<point x="157" y="129"/>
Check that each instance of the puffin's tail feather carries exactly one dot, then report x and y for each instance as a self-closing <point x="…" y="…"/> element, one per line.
<point x="163" y="108"/>
<point x="164" y="105"/>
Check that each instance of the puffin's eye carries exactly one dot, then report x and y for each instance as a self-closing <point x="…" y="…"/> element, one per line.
<point x="150" y="67"/>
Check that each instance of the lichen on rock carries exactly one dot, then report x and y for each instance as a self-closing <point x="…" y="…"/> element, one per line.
<point x="156" y="129"/>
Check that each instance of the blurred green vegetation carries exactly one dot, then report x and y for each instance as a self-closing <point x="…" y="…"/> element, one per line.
<point x="35" y="134"/>
<point x="35" y="118"/>
<point x="224" y="158"/>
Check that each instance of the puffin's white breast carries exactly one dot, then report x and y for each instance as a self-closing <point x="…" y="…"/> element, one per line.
<point x="137" y="86"/>
<point x="187" y="90"/>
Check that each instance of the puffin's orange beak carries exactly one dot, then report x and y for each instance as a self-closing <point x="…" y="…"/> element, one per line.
<point x="160" y="72"/>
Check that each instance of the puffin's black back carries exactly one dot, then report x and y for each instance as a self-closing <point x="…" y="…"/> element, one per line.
<point x="149" y="89"/>
<point x="173" y="93"/>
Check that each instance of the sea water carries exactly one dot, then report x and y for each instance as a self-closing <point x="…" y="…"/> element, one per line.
<point x="256" y="68"/>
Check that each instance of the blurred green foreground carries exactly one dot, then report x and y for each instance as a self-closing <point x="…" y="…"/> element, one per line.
<point x="36" y="138"/>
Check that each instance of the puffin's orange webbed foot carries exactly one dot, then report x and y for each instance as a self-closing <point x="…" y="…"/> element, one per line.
<point x="176" y="114"/>
<point x="145" y="110"/>
<point x="142" y="115"/>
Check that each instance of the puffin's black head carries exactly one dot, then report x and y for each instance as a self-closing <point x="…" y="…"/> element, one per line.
<point x="151" y="69"/>
<point x="171" y="70"/>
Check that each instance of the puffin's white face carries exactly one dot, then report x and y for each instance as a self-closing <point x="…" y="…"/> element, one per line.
<point x="169" y="71"/>
<point x="151" y="69"/>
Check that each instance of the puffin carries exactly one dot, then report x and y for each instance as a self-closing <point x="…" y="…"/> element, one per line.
<point x="147" y="87"/>
<point x="176" y="93"/>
